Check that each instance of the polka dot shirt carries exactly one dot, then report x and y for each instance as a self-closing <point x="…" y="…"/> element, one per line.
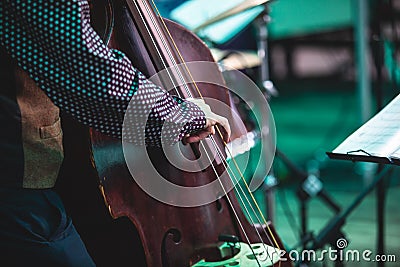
<point x="54" y="42"/>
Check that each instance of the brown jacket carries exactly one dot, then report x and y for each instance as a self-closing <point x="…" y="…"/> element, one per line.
<point x="31" y="139"/>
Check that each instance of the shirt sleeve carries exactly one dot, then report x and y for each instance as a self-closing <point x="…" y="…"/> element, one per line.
<point x="54" y="42"/>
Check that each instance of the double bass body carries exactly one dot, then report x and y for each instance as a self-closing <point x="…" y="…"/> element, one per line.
<point x="170" y="235"/>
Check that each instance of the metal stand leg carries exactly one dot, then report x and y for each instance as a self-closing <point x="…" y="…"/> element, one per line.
<point x="262" y="47"/>
<point x="270" y="184"/>
<point x="332" y="231"/>
<point x="261" y="24"/>
<point x="380" y="213"/>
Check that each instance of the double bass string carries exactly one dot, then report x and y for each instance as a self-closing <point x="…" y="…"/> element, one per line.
<point x="227" y="165"/>
<point x="189" y="93"/>
<point x="222" y="159"/>
<point x="254" y="200"/>
<point x="219" y="152"/>
<point x="154" y="44"/>
<point x="220" y="134"/>
<point x="234" y="211"/>
<point x="217" y="148"/>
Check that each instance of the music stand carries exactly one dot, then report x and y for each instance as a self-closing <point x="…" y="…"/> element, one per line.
<point x="331" y="233"/>
<point x="378" y="140"/>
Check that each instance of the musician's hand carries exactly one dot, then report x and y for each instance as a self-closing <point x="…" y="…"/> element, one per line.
<point x="212" y="121"/>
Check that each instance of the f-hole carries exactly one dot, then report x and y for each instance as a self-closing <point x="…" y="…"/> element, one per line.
<point x="173" y="234"/>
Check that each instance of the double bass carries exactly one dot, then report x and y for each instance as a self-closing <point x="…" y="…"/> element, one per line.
<point x="212" y="234"/>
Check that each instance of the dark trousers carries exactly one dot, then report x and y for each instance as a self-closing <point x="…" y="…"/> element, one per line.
<point x="35" y="231"/>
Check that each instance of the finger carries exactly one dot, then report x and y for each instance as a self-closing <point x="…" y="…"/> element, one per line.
<point x="205" y="132"/>
<point x="225" y="124"/>
<point x="194" y="139"/>
<point x="210" y="122"/>
<point x="198" y="136"/>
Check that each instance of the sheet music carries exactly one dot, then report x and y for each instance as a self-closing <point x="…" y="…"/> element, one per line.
<point x="380" y="136"/>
